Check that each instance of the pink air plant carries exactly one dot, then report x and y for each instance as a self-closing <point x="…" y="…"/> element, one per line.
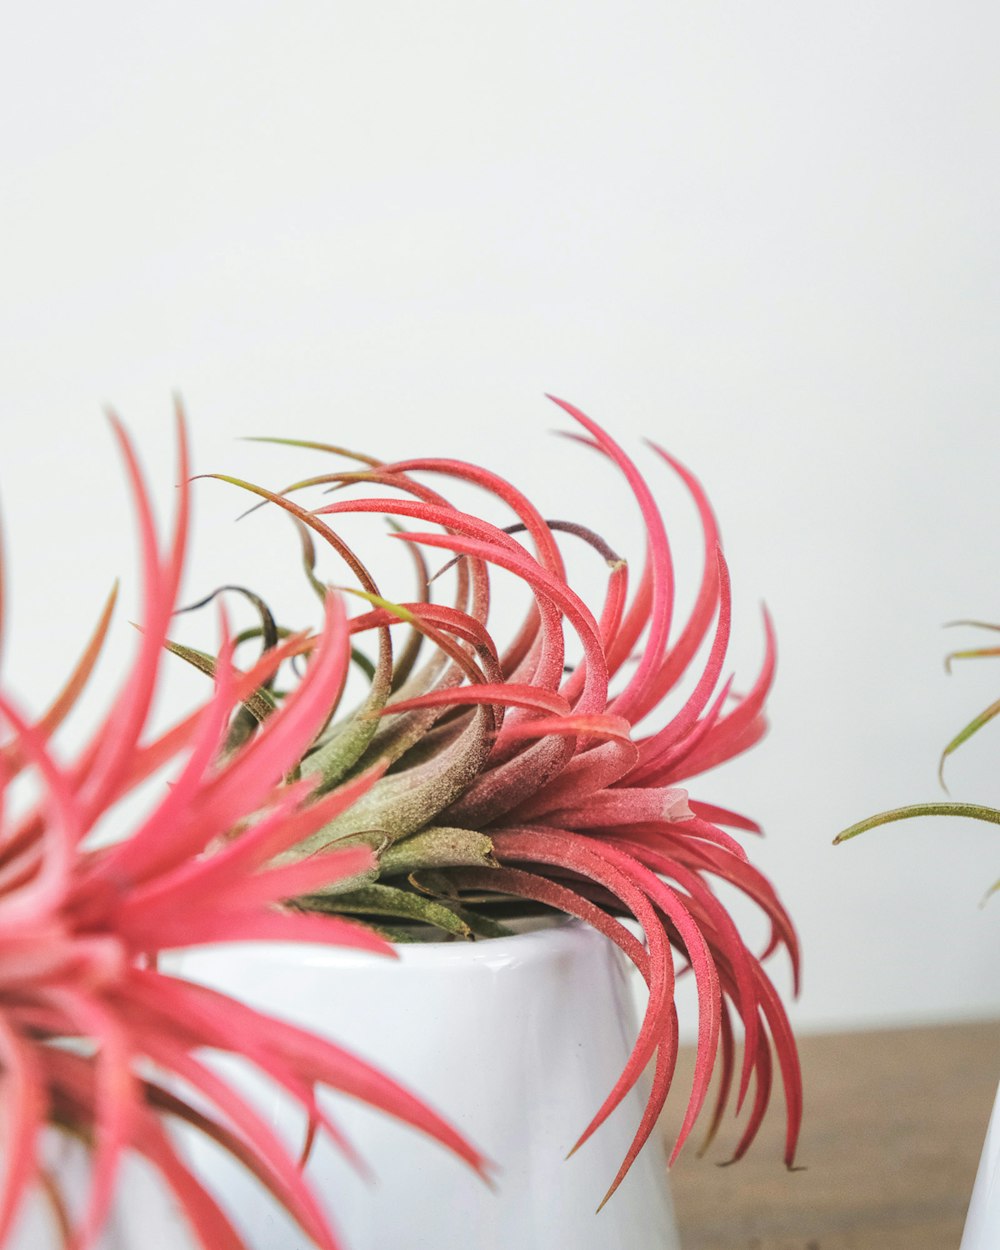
<point x="509" y="778"/>
<point x="94" y="1040"/>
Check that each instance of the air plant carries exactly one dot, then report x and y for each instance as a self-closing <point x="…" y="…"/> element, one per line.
<point x="972" y="811"/>
<point x="95" y="1041"/>
<point x="510" y="777"/>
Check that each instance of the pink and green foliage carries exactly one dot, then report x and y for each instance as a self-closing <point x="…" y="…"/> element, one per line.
<point x="509" y="776"/>
<point x="94" y="1040"/>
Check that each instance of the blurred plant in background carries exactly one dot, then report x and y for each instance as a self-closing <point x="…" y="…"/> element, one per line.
<point x="974" y="811"/>
<point x="95" y="1041"/>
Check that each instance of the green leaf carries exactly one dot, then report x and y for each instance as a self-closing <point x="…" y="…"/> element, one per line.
<point x="340" y="748"/>
<point x="309" y="445"/>
<point x="245" y="723"/>
<point x="388" y="900"/>
<point x="411" y="650"/>
<point x="309" y="558"/>
<point x="269" y="631"/>
<point x="359" y="658"/>
<point x="403" y="803"/>
<point x="260" y="704"/>
<point x="976" y="654"/>
<point x="483" y="926"/>
<point x="437" y="847"/>
<point x="972" y="727"/>
<point x="973" y="811"/>
<point x="974" y="625"/>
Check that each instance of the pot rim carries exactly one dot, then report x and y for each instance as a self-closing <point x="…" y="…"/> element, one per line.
<point x="543" y="938"/>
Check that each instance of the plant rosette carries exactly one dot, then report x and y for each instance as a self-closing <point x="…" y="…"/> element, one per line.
<point x="518" y="774"/>
<point x="468" y="782"/>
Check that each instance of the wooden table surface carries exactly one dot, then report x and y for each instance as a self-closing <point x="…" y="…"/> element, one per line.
<point x="894" y="1125"/>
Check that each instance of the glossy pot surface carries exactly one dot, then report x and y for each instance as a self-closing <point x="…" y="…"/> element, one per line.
<point x="516" y="1040"/>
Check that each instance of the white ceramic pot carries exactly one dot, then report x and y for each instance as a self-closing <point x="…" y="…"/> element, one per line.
<point x="982" y="1224"/>
<point x="517" y="1040"/>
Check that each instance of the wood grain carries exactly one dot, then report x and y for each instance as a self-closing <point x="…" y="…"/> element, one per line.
<point x="894" y="1125"/>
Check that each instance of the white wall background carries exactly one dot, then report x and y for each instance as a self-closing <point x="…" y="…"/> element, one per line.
<point x="764" y="235"/>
